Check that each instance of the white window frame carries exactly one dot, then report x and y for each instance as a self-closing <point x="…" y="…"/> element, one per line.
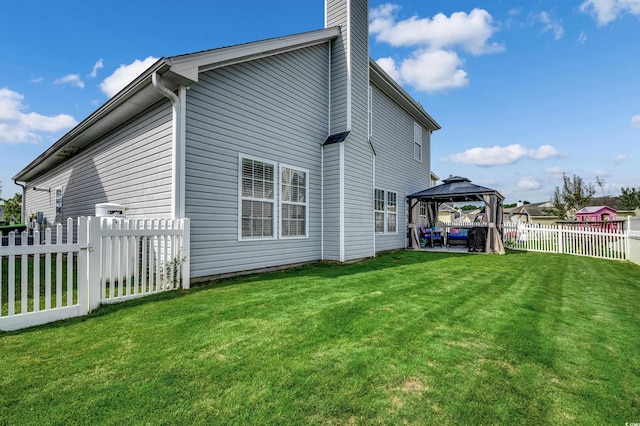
<point x="417" y="142"/>
<point x="389" y="211"/>
<point x="242" y="197"/>
<point x="377" y="211"/>
<point x="282" y="202"/>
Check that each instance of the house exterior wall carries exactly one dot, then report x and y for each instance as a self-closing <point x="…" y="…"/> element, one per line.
<point x="129" y="166"/>
<point x="359" y="156"/>
<point x="349" y="98"/>
<point x="275" y="109"/>
<point x="331" y="216"/>
<point x="396" y="169"/>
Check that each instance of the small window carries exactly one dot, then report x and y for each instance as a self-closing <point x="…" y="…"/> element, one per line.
<point x="392" y="213"/>
<point x="378" y="211"/>
<point x="257" y="187"/>
<point x="294" y="202"/>
<point x="417" y="142"/>
<point x="385" y="212"/>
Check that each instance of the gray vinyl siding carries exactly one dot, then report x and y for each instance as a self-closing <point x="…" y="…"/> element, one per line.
<point x="129" y="166"/>
<point x="274" y="109"/>
<point x="337" y="15"/>
<point x="359" y="237"/>
<point x="331" y="210"/>
<point x="396" y="168"/>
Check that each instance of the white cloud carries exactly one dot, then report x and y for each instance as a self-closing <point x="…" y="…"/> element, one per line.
<point x="19" y="127"/>
<point x="556" y="172"/>
<point x="606" y="11"/>
<point x="389" y="65"/>
<point x="635" y="120"/>
<point x="494" y="156"/>
<point x="73" y="79"/>
<point x="619" y="158"/>
<point x="502" y="155"/>
<point x="543" y="152"/>
<point x="98" y="65"/>
<point x="470" y="32"/>
<point x="428" y="71"/>
<point x="435" y="62"/>
<point x="529" y="183"/>
<point x="600" y="173"/>
<point x="552" y="25"/>
<point x="36" y="80"/>
<point x="124" y="75"/>
<point x="582" y="38"/>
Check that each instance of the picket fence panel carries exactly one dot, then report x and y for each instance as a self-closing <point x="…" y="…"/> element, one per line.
<point x="141" y="257"/>
<point x="102" y="261"/>
<point x="574" y="239"/>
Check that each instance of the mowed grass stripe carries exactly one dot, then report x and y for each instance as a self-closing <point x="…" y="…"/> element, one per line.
<point x="406" y="337"/>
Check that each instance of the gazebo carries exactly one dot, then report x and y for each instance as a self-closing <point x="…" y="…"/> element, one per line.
<point x="457" y="189"/>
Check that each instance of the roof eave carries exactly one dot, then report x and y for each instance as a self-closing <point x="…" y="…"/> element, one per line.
<point x="190" y="65"/>
<point x="385" y="83"/>
<point x="176" y="70"/>
<point x="81" y="135"/>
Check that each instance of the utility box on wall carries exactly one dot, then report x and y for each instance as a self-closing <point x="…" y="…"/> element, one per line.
<point x="109" y="210"/>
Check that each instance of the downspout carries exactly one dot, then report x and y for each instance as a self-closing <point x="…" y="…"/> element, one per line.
<point x="177" y="142"/>
<point x="24" y="202"/>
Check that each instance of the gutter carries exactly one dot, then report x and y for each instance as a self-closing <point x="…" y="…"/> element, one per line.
<point x="178" y="144"/>
<point x="24" y="201"/>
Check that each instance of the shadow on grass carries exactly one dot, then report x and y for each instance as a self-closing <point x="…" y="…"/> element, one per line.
<point x="321" y="269"/>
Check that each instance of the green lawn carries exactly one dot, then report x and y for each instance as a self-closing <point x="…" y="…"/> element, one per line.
<point x="406" y="338"/>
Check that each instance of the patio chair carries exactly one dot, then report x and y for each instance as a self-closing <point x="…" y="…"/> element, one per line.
<point x="441" y="231"/>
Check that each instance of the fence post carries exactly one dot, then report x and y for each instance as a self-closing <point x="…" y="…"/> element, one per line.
<point x="186" y="255"/>
<point x="95" y="253"/>
<point x="83" y="282"/>
<point x="627" y="239"/>
<point x="560" y="239"/>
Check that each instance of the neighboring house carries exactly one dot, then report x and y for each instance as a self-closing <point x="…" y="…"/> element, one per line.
<point x="615" y="204"/>
<point x="282" y="151"/>
<point x="596" y="214"/>
<point x="541" y="213"/>
<point x="434" y="179"/>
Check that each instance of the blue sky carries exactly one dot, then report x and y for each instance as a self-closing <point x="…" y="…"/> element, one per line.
<point x="523" y="90"/>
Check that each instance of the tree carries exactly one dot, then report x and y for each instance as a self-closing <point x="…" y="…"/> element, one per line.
<point x="573" y="196"/>
<point x="630" y="197"/>
<point x="13" y="209"/>
<point x="601" y="183"/>
<point x="470" y="207"/>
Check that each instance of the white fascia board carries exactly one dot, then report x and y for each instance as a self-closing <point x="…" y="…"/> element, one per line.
<point x="189" y="66"/>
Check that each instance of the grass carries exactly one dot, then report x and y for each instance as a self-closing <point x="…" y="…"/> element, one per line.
<point x="408" y="337"/>
<point x="4" y="286"/>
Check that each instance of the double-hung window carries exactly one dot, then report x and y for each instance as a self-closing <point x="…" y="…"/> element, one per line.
<point x="392" y="213"/>
<point x="378" y="210"/>
<point x="417" y="142"/>
<point x="293" y="202"/>
<point x="258" y="198"/>
<point x="385" y="211"/>
<point x="274" y="200"/>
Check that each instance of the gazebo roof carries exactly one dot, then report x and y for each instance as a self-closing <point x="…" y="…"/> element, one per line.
<point x="455" y="188"/>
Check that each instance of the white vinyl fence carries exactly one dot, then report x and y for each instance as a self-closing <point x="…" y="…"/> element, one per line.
<point x="97" y="260"/>
<point x="575" y="239"/>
